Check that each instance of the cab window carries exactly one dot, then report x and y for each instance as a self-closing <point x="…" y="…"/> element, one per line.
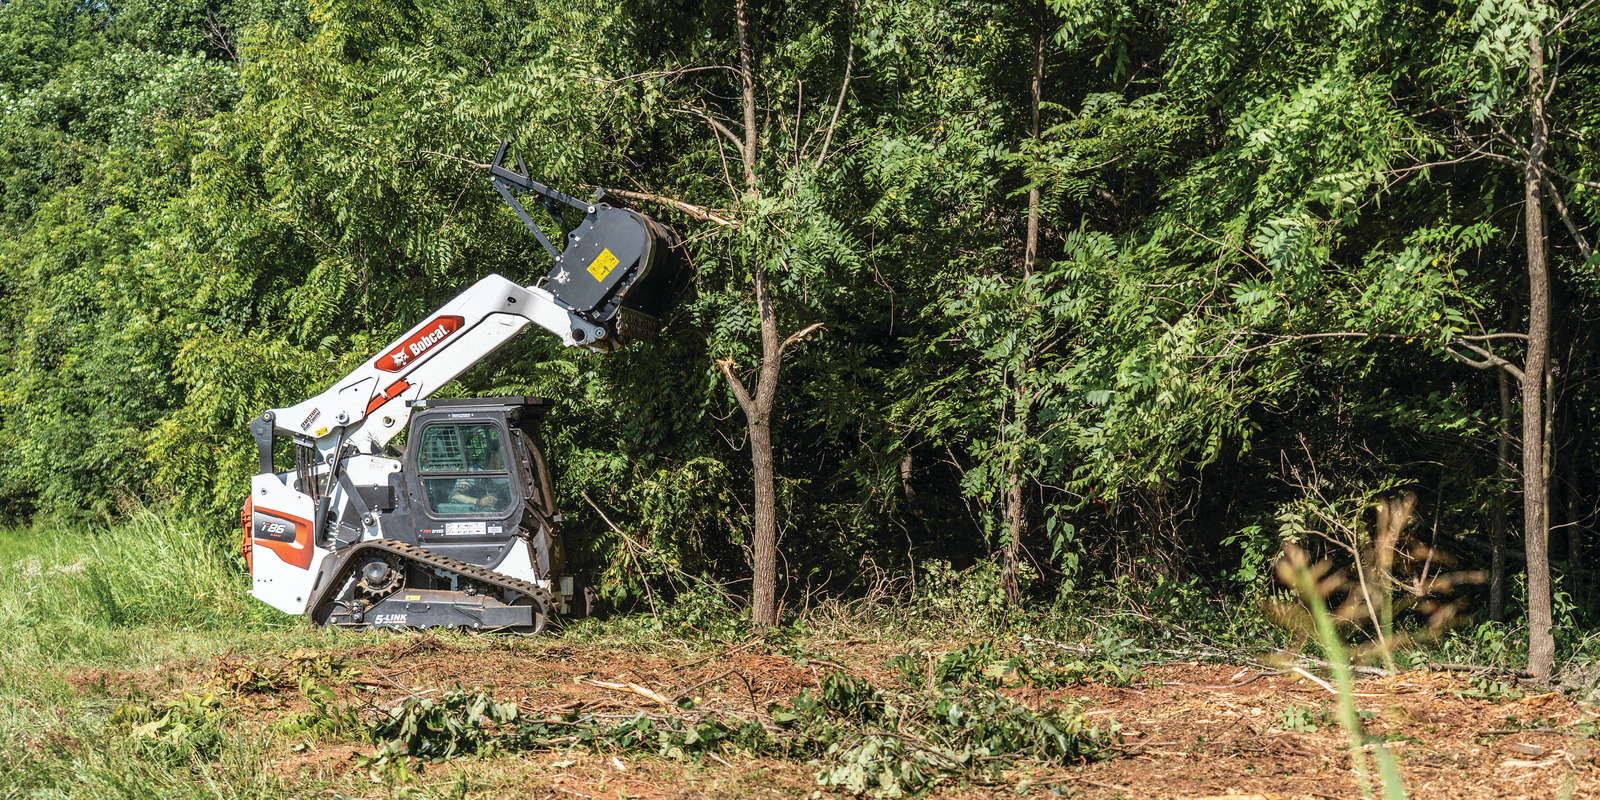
<point x="464" y="469"/>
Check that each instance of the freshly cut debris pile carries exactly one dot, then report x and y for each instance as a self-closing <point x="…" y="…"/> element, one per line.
<point x="856" y="718"/>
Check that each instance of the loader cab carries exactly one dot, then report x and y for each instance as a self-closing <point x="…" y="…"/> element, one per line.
<point x="475" y="477"/>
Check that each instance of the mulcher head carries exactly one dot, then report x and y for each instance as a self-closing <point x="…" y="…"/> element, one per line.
<point x="620" y="269"/>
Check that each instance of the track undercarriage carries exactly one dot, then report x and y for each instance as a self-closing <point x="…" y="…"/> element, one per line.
<point x="384" y="583"/>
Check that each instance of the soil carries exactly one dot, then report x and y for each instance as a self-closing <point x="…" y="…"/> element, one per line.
<point x="1188" y="730"/>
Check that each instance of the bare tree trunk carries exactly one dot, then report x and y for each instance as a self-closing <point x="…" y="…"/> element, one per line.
<point x="1497" y="522"/>
<point x="758" y="409"/>
<point x="1574" y="516"/>
<point x="1536" y="533"/>
<point x="764" y="591"/>
<point x="1574" y="531"/>
<point x="1016" y="508"/>
<point x="747" y="77"/>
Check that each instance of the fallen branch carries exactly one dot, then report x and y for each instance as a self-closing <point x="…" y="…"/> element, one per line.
<point x="1514" y="731"/>
<point x="626" y="686"/>
<point x="1479" y="669"/>
<point x="1314" y="679"/>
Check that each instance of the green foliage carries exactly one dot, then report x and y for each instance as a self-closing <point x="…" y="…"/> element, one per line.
<point x="1262" y="241"/>
<point x="456" y="724"/>
<point x="891" y="744"/>
<point x="178" y="731"/>
<point x="1481" y="687"/>
<point x="1302" y="719"/>
<point x="987" y="666"/>
<point x="865" y="740"/>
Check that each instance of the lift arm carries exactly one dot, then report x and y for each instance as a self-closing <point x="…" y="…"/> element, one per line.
<point x="615" y="273"/>
<point x="367" y="408"/>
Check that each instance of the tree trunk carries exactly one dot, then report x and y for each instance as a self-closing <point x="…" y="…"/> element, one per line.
<point x="1536" y="533"/>
<point x="747" y="77"/>
<point x="764" y="544"/>
<point x="1497" y="522"/>
<point x="1016" y="508"/>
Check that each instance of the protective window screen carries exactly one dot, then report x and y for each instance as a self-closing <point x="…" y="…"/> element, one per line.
<point x="472" y="495"/>
<point x="467" y="447"/>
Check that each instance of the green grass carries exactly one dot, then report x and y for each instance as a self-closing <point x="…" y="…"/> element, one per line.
<point x="152" y="591"/>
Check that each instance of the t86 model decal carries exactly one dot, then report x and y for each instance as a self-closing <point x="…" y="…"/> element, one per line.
<point x="285" y="534"/>
<point x="437" y="330"/>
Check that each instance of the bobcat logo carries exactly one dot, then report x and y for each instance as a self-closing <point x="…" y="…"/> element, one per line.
<point x="437" y="330"/>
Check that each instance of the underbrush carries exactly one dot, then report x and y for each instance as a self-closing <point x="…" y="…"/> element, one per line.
<point x="1115" y="622"/>
<point x="942" y="603"/>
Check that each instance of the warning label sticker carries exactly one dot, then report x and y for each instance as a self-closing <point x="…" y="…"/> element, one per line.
<point x="464" y="528"/>
<point x="602" y="265"/>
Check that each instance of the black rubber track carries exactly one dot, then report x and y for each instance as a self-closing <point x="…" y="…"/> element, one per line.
<point x="430" y="560"/>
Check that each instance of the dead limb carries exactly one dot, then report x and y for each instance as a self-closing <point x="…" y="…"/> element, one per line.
<point x="698" y="212"/>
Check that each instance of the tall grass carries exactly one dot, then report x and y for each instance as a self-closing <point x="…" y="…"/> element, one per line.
<point x="151" y="592"/>
<point x="149" y="569"/>
<point x="117" y="596"/>
<point x="1295" y="571"/>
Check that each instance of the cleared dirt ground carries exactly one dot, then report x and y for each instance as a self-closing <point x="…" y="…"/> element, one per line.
<point x="1188" y="730"/>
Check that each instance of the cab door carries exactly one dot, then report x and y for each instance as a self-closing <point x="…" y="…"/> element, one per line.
<point x="466" y="486"/>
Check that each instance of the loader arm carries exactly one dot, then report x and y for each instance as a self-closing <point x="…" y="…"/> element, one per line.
<point x="604" y="291"/>
<point x="367" y="408"/>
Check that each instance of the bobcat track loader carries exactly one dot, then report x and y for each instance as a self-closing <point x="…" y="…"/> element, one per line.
<point x="460" y="529"/>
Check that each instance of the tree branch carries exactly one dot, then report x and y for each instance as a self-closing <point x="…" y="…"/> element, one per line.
<point x="1489" y="336"/>
<point x="747" y="71"/>
<point x="1566" y="219"/>
<point x="1545" y="168"/>
<point x="1569" y="17"/>
<point x="698" y="212"/>
<point x="468" y="162"/>
<point x="660" y="73"/>
<point x="1431" y="164"/>
<point x="717" y="126"/>
<point x="1283" y="340"/>
<point x="797" y="336"/>
<point x="849" y="63"/>
<point x="1489" y="359"/>
<point x="737" y="385"/>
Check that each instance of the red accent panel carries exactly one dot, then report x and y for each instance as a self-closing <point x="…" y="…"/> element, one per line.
<point x="437" y="330"/>
<point x="244" y="520"/>
<point x="394" y="390"/>
<point x="296" y="553"/>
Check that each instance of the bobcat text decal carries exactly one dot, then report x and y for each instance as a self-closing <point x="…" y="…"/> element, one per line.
<point x="436" y="331"/>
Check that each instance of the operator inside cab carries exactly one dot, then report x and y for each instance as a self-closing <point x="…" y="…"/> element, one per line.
<point x="481" y="482"/>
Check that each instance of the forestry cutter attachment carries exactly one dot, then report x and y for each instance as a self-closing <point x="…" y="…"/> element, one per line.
<point x="460" y="529"/>
<point x="611" y="272"/>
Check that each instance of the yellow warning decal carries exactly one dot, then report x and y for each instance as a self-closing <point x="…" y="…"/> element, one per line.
<point x="322" y="432"/>
<point x="411" y="597"/>
<point x="602" y="265"/>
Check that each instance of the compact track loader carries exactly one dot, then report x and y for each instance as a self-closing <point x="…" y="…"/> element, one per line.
<point x="459" y="530"/>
